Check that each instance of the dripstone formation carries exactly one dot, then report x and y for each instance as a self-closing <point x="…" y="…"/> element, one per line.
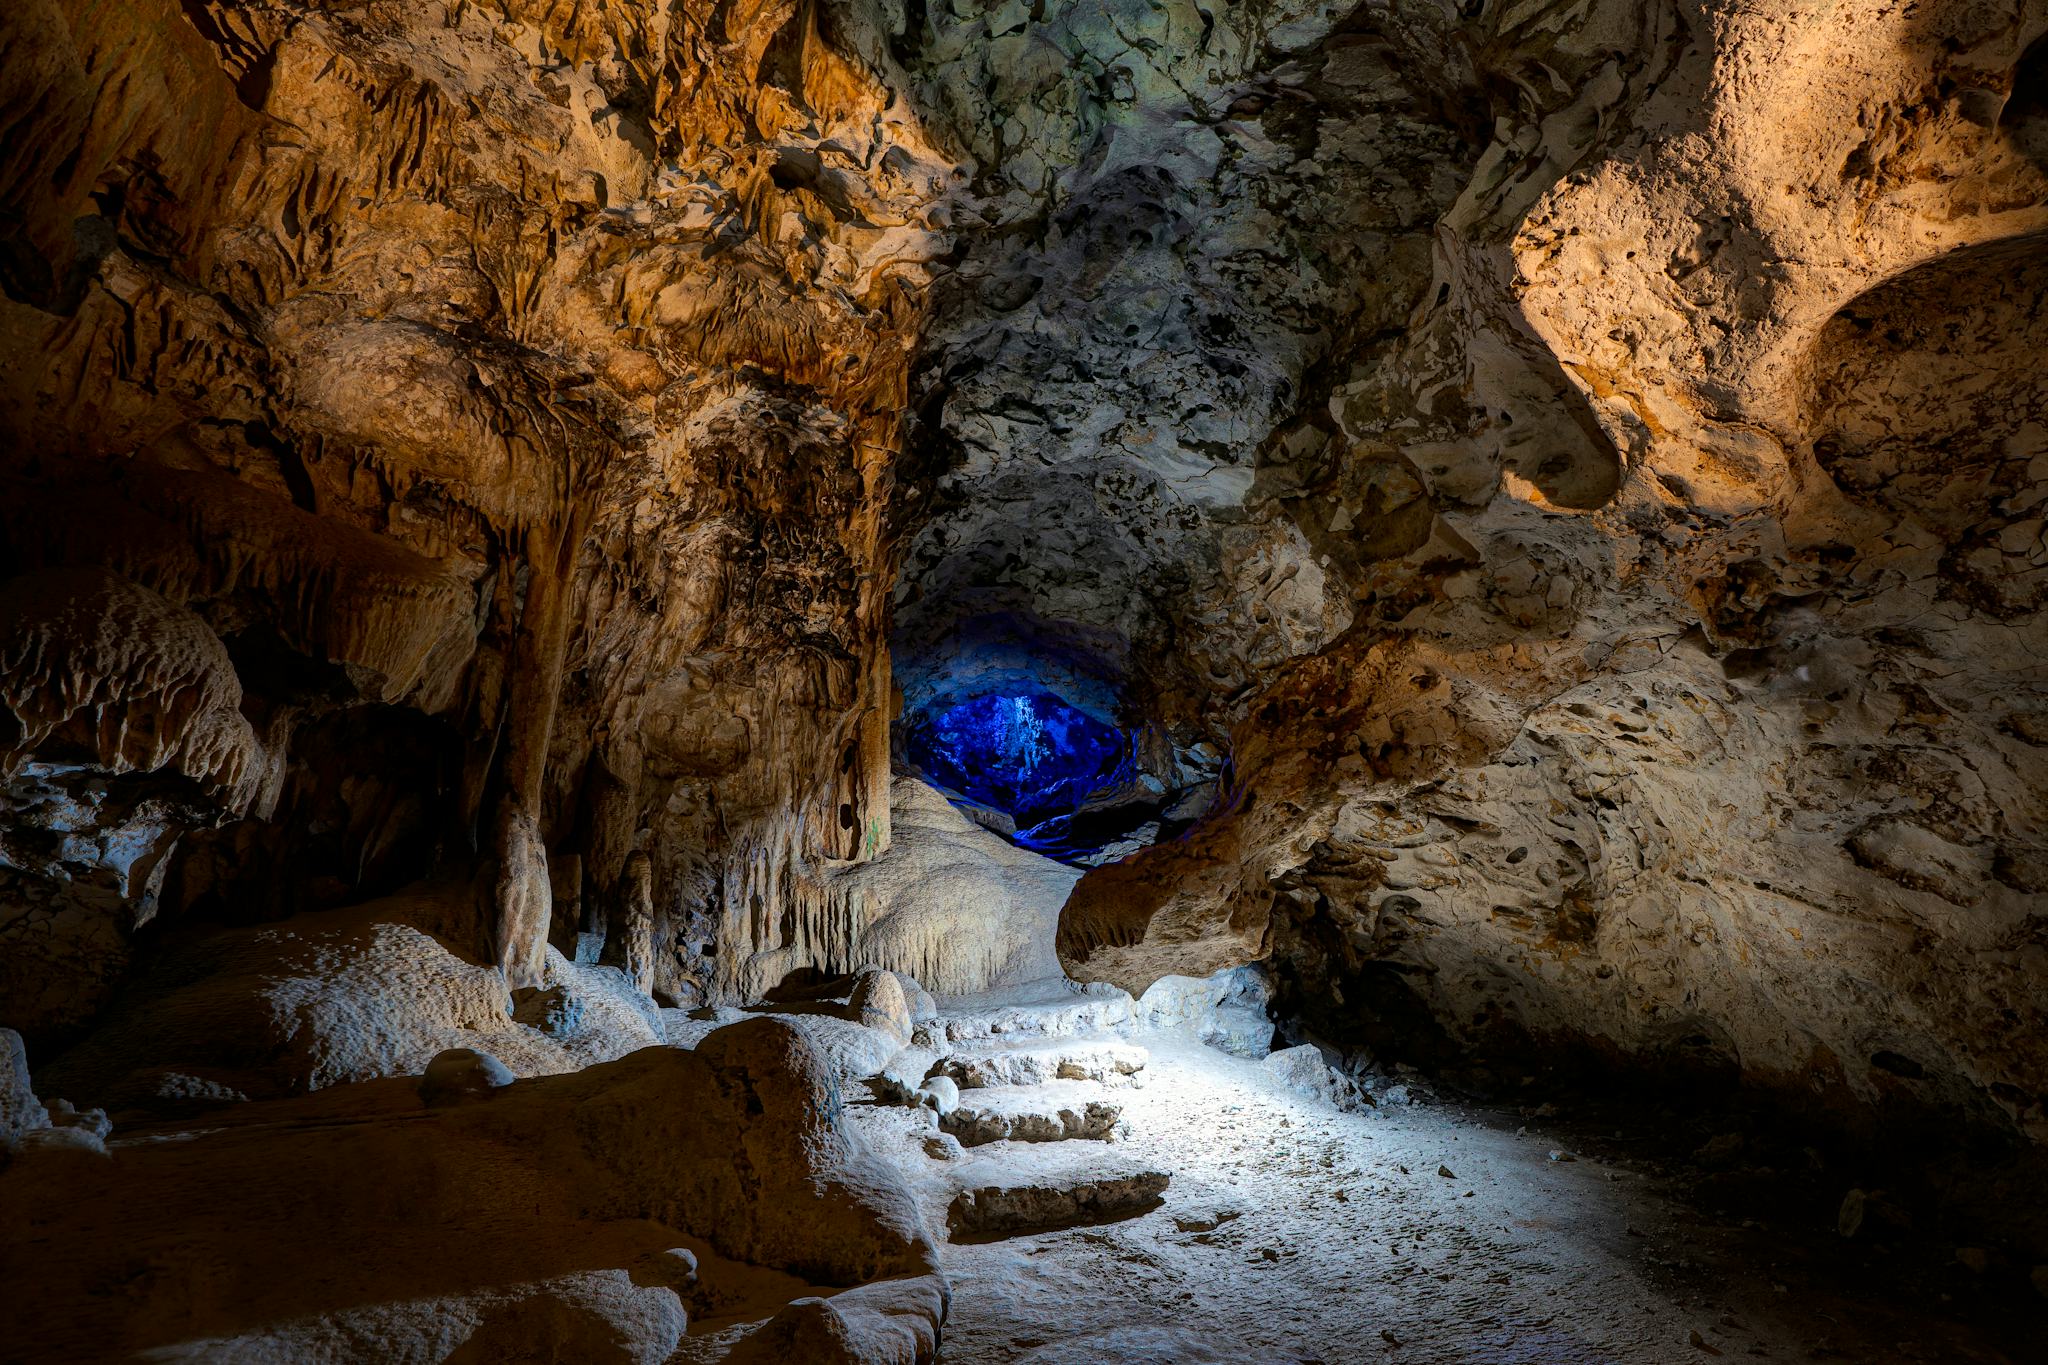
<point x="1541" y="501"/>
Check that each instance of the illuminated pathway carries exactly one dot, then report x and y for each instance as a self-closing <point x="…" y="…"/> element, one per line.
<point x="1295" y="1232"/>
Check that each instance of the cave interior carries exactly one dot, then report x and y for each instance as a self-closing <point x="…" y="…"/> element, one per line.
<point x="868" y="681"/>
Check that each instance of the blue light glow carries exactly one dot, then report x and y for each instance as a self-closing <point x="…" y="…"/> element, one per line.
<point x="1032" y="756"/>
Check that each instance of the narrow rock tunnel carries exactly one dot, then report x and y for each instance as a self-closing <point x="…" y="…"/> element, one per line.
<point x="1029" y="759"/>
<point x="1034" y="735"/>
<point x="869" y="681"/>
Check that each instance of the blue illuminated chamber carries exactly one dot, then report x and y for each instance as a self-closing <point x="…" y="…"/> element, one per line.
<point x="1033" y="756"/>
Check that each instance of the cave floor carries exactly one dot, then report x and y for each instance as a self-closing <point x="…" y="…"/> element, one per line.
<point x="1292" y="1231"/>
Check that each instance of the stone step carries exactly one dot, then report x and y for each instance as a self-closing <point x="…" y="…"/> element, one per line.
<point x="1061" y="1012"/>
<point x="1009" y="1204"/>
<point x="1037" y="1062"/>
<point x="1058" y="1112"/>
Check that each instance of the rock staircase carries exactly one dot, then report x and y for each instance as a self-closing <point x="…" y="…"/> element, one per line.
<point x="1025" y="1093"/>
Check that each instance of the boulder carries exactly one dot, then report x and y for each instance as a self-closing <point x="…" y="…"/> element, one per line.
<point x="940" y="1094"/>
<point x="338" y="996"/>
<point x="1303" y="1070"/>
<point x="878" y="1002"/>
<point x="535" y="1222"/>
<point x="1226" y="1009"/>
<point x="463" y="1073"/>
<point x="902" y="1075"/>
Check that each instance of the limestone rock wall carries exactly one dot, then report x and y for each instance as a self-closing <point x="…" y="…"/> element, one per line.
<point x="481" y="423"/>
<point x="1178" y="213"/>
<point x="1692" y="712"/>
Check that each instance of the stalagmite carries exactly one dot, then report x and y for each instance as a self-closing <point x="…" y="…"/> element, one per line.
<point x="521" y="898"/>
<point x="635" y="923"/>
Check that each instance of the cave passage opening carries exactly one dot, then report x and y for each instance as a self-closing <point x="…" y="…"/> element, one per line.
<point x="1031" y="756"/>
<point x="1028" y="755"/>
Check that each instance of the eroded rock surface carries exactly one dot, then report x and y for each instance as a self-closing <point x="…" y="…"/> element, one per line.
<point x="20" y="1111"/>
<point x="1547" y="497"/>
<point x="333" y="998"/>
<point x="1688" y="526"/>
<point x="360" y="1223"/>
<point x="516" y="387"/>
<point x="1054" y="1111"/>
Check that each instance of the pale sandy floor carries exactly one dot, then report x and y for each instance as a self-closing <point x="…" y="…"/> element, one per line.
<point x="1294" y="1232"/>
